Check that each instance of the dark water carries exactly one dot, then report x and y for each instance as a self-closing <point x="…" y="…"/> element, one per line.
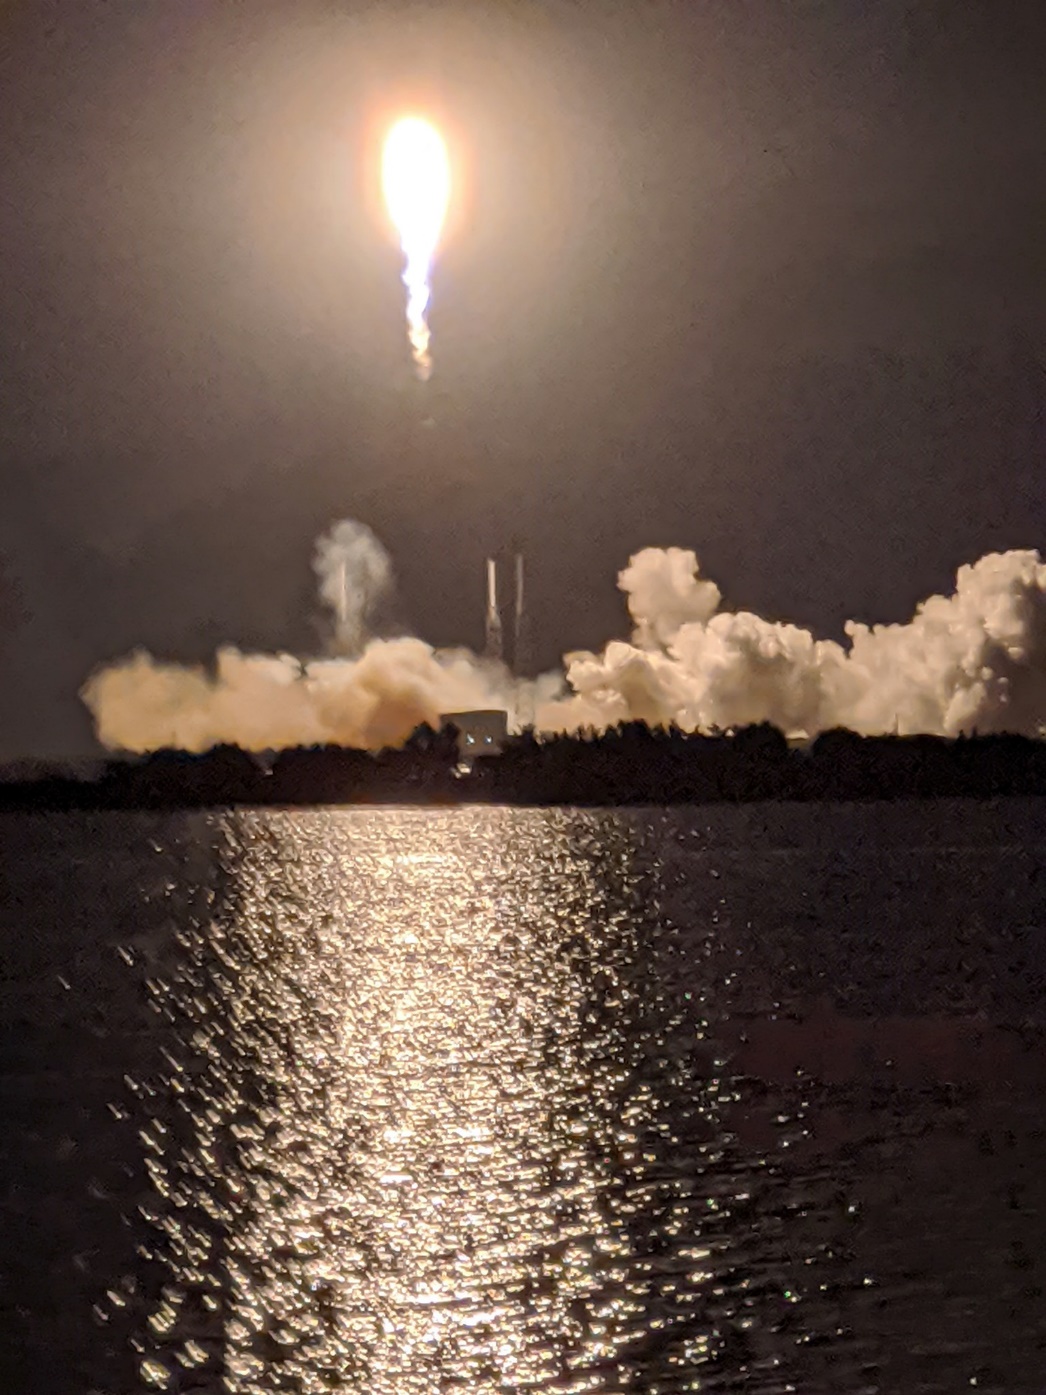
<point x="493" y="1100"/>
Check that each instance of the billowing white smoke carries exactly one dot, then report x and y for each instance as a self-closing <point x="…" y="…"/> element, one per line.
<point x="355" y="576"/>
<point x="266" y="702"/>
<point x="371" y="692"/>
<point x="973" y="661"/>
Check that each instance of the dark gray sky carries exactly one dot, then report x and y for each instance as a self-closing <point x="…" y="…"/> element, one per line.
<point x="766" y="278"/>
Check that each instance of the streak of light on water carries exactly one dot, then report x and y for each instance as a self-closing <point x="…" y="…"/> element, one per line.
<point x="507" y="1100"/>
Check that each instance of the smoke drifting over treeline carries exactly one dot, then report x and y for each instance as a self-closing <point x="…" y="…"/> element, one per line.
<point x="971" y="661"/>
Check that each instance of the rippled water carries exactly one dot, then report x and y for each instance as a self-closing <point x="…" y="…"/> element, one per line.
<point x="495" y="1100"/>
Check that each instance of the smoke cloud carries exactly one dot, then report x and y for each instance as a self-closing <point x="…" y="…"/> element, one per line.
<point x="266" y="702"/>
<point x="355" y="575"/>
<point x="971" y="661"/>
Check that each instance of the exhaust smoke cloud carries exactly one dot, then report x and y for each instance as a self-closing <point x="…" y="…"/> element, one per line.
<point x="971" y="661"/>
<point x="355" y="575"/>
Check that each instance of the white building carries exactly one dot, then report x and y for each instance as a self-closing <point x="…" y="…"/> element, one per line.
<point x="480" y="733"/>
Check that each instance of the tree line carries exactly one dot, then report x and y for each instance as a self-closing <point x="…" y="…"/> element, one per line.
<point x="630" y="764"/>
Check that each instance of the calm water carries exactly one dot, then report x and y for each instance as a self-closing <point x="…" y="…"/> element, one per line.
<point x="399" y="1101"/>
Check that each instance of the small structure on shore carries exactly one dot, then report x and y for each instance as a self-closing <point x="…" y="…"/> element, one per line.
<point x="480" y="733"/>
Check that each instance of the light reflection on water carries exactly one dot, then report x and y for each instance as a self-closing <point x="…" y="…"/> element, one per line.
<point x="455" y="1114"/>
<point x="508" y="1100"/>
<point x="422" y="1193"/>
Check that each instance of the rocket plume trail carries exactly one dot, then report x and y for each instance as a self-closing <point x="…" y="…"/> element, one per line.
<point x="416" y="183"/>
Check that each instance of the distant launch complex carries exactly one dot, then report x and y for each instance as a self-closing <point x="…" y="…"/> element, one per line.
<point x="482" y="732"/>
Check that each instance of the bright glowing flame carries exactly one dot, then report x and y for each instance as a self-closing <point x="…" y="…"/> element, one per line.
<point x="416" y="183"/>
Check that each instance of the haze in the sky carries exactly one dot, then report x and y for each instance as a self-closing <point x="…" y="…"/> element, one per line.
<point x="765" y="281"/>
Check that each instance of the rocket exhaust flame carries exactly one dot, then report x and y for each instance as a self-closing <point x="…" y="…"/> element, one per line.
<point x="416" y="183"/>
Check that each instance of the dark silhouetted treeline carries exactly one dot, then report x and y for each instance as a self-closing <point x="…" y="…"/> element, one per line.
<point x="629" y="765"/>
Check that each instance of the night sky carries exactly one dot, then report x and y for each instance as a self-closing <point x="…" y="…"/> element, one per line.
<point x="765" y="278"/>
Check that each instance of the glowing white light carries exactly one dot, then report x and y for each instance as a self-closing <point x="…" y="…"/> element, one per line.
<point x="416" y="184"/>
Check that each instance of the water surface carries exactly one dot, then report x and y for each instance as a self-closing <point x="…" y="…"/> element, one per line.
<point x="402" y="1101"/>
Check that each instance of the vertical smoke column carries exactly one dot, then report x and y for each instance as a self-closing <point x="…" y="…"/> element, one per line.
<point x="494" y="636"/>
<point x="355" y="576"/>
<point x="519" y="656"/>
<point x="416" y="183"/>
<point x="344" y="599"/>
<point x="524" y="703"/>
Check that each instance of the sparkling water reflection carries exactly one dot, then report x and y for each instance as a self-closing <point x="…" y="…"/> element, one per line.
<point x="424" y="1193"/>
<point x="431" y="1140"/>
<point x="507" y="1100"/>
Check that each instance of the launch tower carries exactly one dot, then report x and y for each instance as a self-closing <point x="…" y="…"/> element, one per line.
<point x="516" y="658"/>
